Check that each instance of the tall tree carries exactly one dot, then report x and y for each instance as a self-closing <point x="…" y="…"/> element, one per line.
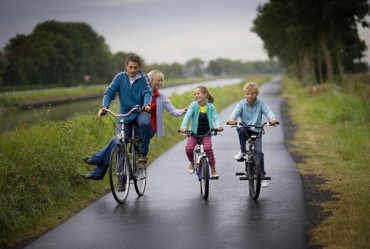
<point x="307" y="36"/>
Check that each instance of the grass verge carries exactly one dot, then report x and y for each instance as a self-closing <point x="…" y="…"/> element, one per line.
<point x="333" y="139"/>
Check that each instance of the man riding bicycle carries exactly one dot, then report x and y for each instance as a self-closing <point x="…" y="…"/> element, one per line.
<point x="133" y="89"/>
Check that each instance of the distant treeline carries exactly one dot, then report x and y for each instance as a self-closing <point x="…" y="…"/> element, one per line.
<point x="315" y="40"/>
<point x="69" y="53"/>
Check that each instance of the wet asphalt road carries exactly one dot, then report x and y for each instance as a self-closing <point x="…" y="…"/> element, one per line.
<point x="172" y="213"/>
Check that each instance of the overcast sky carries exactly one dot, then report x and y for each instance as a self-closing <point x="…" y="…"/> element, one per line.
<point x="162" y="31"/>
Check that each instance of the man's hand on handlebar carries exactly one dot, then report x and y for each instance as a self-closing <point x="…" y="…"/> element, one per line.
<point x="146" y="108"/>
<point x="102" y="111"/>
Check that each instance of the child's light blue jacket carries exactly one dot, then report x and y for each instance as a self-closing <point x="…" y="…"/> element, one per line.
<point x="192" y="116"/>
<point x="252" y="115"/>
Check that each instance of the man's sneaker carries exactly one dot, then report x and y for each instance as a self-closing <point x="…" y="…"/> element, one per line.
<point x="88" y="160"/>
<point x="89" y="177"/>
<point x="143" y="158"/>
<point x="141" y="165"/>
<point x="264" y="183"/>
<point x="121" y="184"/>
<point x="239" y="155"/>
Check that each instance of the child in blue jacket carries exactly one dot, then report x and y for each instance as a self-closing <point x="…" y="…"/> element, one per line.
<point x="250" y="111"/>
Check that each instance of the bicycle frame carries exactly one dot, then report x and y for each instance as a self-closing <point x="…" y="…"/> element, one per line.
<point x="123" y="166"/>
<point x="201" y="161"/>
<point x="252" y="160"/>
<point x="199" y="153"/>
<point x="121" y="136"/>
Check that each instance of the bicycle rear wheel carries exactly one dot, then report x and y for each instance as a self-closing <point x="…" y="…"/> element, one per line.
<point x="119" y="174"/>
<point x="140" y="180"/>
<point x="139" y="174"/>
<point x="254" y="175"/>
<point x="203" y="173"/>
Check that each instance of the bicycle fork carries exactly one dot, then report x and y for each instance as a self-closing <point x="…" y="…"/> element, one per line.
<point x="248" y="163"/>
<point x="199" y="154"/>
<point x="245" y="175"/>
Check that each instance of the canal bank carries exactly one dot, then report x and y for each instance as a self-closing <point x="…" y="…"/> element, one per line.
<point x="63" y="107"/>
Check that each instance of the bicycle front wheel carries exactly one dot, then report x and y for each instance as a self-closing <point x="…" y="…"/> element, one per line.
<point x="119" y="174"/>
<point x="204" y="177"/>
<point x="254" y="175"/>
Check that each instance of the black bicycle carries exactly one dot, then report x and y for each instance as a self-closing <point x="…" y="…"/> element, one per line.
<point x="252" y="171"/>
<point x="201" y="161"/>
<point x="123" y="165"/>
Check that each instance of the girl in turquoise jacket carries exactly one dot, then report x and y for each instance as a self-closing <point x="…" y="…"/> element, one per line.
<point x="202" y="116"/>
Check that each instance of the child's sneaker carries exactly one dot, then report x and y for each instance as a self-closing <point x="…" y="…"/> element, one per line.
<point x="191" y="169"/>
<point x="264" y="183"/>
<point x="239" y="155"/>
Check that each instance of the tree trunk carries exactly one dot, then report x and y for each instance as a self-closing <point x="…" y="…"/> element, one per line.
<point x="338" y="59"/>
<point x="319" y="66"/>
<point x="327" y="58"/>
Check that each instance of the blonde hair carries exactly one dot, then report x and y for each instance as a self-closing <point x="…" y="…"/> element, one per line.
<point x="205" y="90"/>
<point x="155" y="74"/>
<point x="251" y="86"/>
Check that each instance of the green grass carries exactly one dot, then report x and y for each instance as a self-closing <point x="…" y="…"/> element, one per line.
<point x="333" y="138"/>
<point x="40" y="184"/>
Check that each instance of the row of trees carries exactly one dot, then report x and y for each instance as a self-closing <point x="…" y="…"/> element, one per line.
<point x="56" y="53"/>
<point x="316" y="40"/>
<point x="67" y="53"/>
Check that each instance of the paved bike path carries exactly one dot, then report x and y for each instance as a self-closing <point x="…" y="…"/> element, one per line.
<point x="172" y="213"/>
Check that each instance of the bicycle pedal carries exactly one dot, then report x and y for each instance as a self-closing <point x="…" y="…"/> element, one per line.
<point x="265" y="178"/>
<point x="140" y="167"/>
<point x="240" y="173"/>
<point x="244" y="178"/>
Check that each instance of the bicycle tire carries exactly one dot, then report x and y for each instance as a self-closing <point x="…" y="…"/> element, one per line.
<point x="204" y="177"/>
<point x="139" y="173"/>
<point x="254" y="175"/>
<point x="119" y="174"/>
<point x="140" y="180"/>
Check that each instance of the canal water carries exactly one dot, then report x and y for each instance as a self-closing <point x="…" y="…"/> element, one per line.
<point x="12" y="119"/>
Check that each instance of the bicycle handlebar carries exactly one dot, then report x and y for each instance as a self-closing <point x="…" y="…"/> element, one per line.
<point x="239" y="124"/>
<point x="136" y="108"/>
<point x="214" y="131"/>
<point x="257" y="133"/>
